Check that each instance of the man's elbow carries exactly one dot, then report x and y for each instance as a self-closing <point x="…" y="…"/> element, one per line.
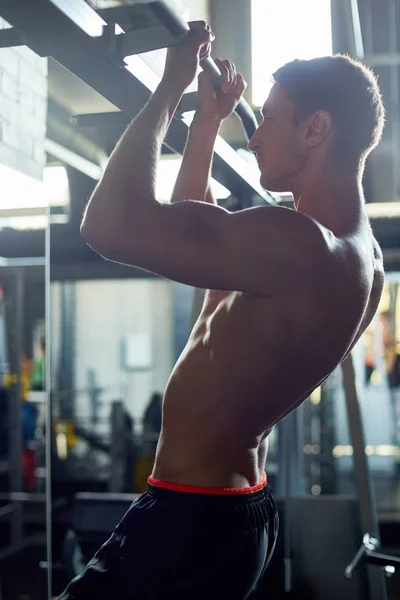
<point x="97" y="224"/>
<point x="115" y="234"/>
<point x="109" y="239"/>
<point x="88" y="231"/>
<point x="96" y="237"/>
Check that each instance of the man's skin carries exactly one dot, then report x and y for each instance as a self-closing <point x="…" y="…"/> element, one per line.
<point x="289" y="291"/>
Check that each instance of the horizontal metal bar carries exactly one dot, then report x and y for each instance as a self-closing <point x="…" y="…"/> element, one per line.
<point x="105" y="119"/>
<point x="94" y="270"/>
<point x="170" y="31"/>
<point x="181" y="28"/>
<point x="387" y="59"/>
<point x="34" y="211"/>
<point x="5" y="511"/>
<point x="378" y="558"/>
<point x="138" y="42"/>
<point x="82" y="15"/>
<point x="23" y="497"/>
<point x="10" y="37"/>
<point x="73" y="159"/>
<point x="27" y="261"/>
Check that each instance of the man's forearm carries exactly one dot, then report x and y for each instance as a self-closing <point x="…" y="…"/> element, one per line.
<point x="193" y="179"/>
<point x="129" y="179"/>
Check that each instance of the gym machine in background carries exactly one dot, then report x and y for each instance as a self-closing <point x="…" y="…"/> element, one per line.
<point x="18" y="496"/>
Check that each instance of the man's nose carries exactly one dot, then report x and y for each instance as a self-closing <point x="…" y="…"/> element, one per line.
<point x="253" y="142"/>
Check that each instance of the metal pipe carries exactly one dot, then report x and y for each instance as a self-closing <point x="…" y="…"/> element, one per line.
<point x="362" y="474"/>
<point x="394" y="99"/>
<point x="357" y="32"/>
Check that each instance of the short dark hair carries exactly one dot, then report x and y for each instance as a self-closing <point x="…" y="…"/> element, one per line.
<point x="345" y="88"/>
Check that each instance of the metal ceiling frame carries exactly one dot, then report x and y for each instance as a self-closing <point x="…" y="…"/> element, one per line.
<point x="61" y="29"/>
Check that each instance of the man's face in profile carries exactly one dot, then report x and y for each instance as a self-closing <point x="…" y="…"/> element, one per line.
<point x="277" y="143"/>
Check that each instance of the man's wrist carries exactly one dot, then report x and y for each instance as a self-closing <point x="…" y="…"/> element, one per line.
<point x="172" y="84"/>
<point x="209" y="122"/>
<point x="171" y="91"/>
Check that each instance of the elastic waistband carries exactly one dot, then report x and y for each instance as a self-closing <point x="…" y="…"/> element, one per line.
<point x="194" y="489"/>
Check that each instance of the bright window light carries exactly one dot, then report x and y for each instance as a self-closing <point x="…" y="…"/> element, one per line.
<point x="56" y="185"/>
<point x="20" y="190"/>
<point x="142" y="71"/>
<point x="24" y="199"/>
<point x="168" y="169"/>
<point x="387" y="210"/>
<point x="283" y="31"/>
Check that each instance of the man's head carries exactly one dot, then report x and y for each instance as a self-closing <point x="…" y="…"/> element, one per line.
<point x="325" y="107"/>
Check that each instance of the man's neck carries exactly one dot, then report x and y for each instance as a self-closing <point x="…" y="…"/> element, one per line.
<point x="333" y="198"/>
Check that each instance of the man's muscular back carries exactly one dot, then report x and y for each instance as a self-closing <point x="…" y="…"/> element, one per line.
<point x="252" y="359"/>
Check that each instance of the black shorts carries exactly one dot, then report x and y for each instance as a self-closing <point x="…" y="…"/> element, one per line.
<point x="179" y="545"/>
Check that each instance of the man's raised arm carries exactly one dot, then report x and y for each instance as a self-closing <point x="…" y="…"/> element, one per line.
<point x="126" y="190"/>
<point x="213" y="106"/>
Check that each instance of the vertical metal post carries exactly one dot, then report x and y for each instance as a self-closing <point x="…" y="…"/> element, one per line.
<point x="66" y="366"/>
<point x="16" y="477"/>
<point x="357" y="31"/>
<point x="368" y="28"/>
<point x="48" y="413"/>
<point x="14" y="291"/>
<point x="327" y="435"/>
<point x="298" y="451"/>
<point x="118" y="447"/>
<point x="394" y="100"/>
<point x="363" y="480"/>
<point x="287" y="430"/>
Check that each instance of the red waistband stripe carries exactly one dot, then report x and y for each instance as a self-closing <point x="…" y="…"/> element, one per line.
<point x="194" y="489"/>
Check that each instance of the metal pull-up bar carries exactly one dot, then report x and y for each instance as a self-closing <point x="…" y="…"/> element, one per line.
<point x="151" y="25"/>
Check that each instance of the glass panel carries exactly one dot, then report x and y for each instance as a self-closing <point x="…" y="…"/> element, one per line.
<point x="23" y="219"/>
<point x="112" y="351"/>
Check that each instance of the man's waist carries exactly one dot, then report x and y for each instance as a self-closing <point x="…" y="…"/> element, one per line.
<point x="197" y="470"/>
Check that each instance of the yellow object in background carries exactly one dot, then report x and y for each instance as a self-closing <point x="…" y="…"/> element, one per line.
<point x="66" y="427"/>
<point x="10" y="379"/>
<point x="142" y="470"/>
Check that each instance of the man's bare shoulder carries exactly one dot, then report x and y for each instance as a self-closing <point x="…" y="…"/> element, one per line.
<point x="293" y="233"/>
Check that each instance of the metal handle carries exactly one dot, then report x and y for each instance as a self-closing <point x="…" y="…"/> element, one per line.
<point x="179" y="28"/>
<point x="243" y="109"/>
<point x="348" y="573"/>
<point x="367" y="552"/>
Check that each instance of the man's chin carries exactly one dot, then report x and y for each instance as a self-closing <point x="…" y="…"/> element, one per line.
<point x="268" y="183"/>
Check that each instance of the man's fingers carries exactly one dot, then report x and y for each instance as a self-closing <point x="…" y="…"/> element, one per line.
<point x="232" y="73"/>
<point x="200" y="34"/>
<point x="205" y="52"/>
<point x="240" y="86"/>
<point x="229" y="75"/>
<point x="226" y="74"/>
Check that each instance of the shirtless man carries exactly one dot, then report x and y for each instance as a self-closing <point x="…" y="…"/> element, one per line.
<point x="285" y="287"/>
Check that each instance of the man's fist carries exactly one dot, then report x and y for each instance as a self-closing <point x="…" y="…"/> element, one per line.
<point x="183" y="61"/>
<point x="218" y="104"/>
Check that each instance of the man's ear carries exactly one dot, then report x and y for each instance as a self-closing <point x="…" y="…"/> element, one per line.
<point x="319" y="125"/>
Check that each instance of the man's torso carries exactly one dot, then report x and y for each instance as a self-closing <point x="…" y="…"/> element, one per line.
<point x="250" y="360"/>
